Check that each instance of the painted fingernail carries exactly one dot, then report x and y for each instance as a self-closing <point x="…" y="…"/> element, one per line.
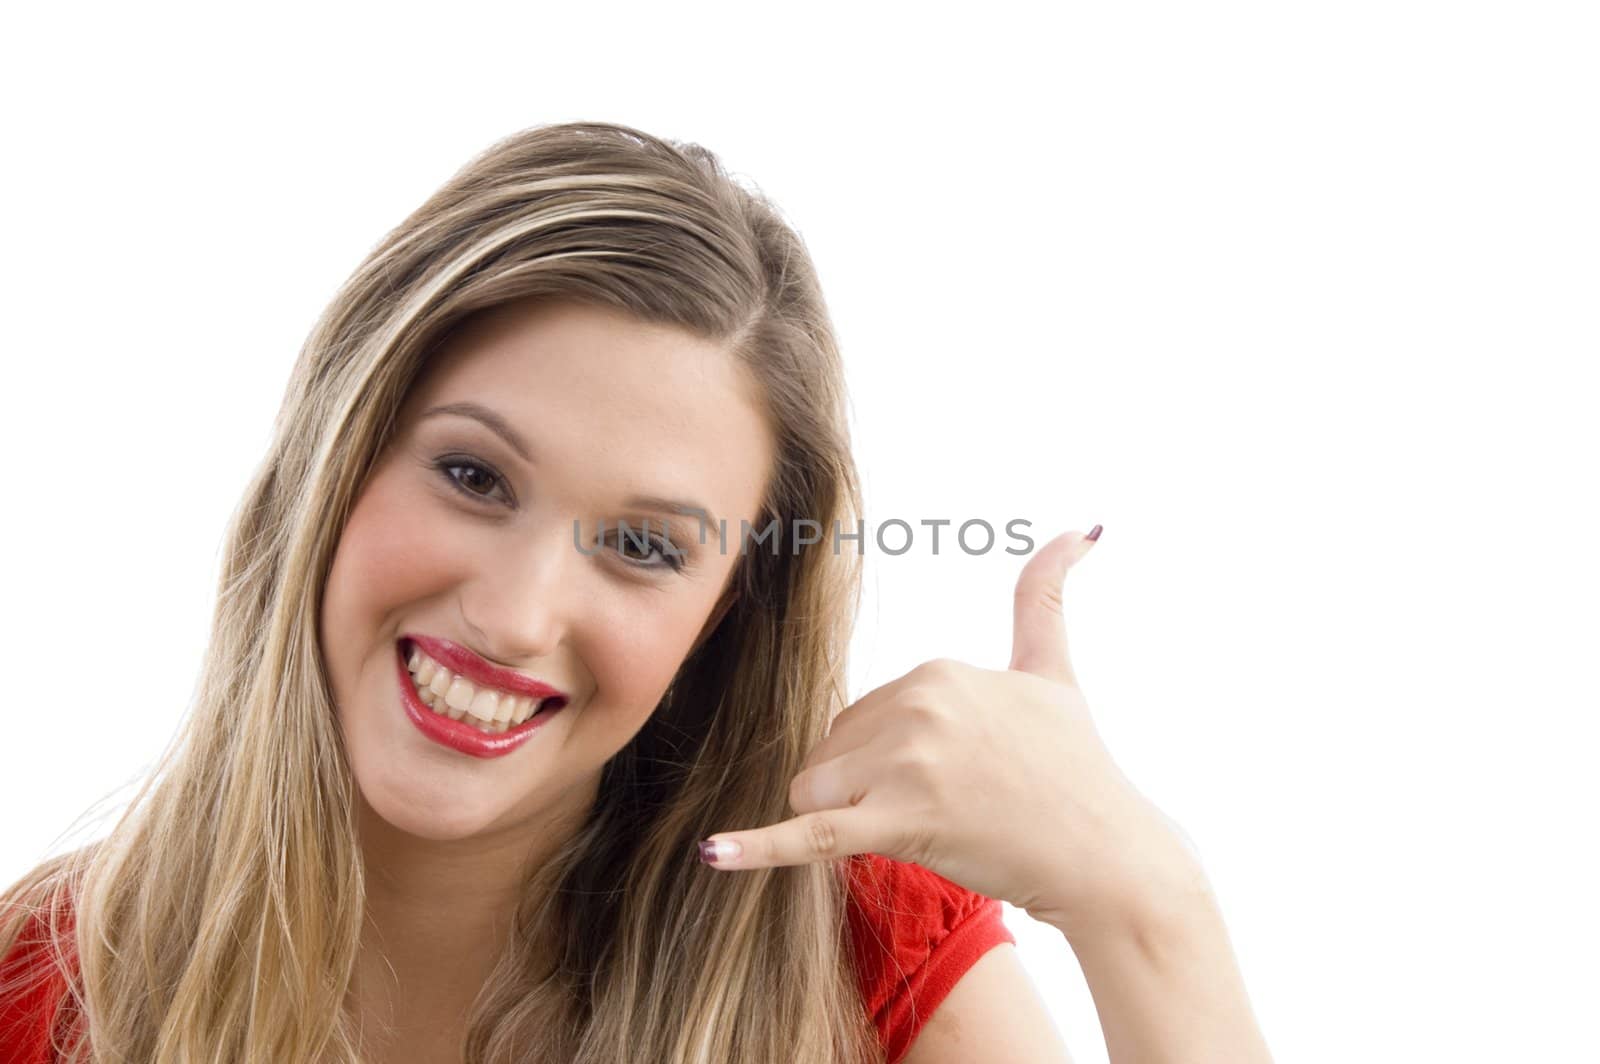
<point x="719" y="851"/>
<point x="1094" y="533"/>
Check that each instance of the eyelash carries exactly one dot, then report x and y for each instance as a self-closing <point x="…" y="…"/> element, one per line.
<point x="674" y="562"/>
<point x="446" y="464"/>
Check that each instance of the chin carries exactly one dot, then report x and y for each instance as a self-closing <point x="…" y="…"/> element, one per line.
<point x="437" y="817"/>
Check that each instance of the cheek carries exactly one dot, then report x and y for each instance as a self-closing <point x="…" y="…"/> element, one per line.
<point x="386" y="558"/>
<point x="634" y="670"/>
<point x="635" y="644"/>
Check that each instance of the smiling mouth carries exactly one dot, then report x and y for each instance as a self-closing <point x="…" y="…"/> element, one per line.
<point x="488" y="710"/>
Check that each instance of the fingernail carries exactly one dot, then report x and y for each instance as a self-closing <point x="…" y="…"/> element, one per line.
<point x="1094" y="533"/>
<point x="719" y="851"/>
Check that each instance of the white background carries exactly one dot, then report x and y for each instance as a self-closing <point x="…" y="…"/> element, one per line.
<point x="1299" y="301"/>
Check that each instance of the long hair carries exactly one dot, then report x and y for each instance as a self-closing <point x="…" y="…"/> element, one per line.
<point x="219" y="920"/>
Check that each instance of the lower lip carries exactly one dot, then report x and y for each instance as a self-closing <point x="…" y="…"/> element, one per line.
<point x="464" y="738"/>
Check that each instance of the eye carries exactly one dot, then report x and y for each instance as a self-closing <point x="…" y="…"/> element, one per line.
<point x="670" y="555"/>
<point x="477" y="479"/>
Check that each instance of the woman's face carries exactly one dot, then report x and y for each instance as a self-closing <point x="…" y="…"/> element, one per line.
<point x="459" y="537"/>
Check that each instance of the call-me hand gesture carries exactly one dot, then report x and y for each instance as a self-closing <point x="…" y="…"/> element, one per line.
<point x="995" y="779"/>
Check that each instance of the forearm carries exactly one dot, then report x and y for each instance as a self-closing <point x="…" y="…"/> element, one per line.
<point x="1167" y="986"/>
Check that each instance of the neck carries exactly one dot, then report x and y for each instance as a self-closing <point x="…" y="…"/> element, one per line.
<point x="438" y="914"/>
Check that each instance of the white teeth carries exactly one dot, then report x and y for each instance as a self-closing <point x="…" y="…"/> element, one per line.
<point x="457" y="698"/>
<point x="484" y="705"/>
<point x="459" y="694"/>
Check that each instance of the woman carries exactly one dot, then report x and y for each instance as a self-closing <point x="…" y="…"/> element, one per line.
<point x="501" y="640"/>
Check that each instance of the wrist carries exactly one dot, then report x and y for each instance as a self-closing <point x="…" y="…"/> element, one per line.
<point x="1157" y="892"/>
<point x="1165" y="980"/>
<point x="1154" y="921"/>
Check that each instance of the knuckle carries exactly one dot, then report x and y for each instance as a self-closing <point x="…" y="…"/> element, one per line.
<point x="923" y="713"/>
<point x="1041" y="593"/>
<point x="821" y="838"/>
<point x="916" y="759"/>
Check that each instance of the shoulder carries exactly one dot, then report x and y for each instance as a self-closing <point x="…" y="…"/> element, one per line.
<point x="914" y="935"/>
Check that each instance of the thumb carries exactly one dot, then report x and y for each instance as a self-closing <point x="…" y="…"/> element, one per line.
<point x="1038" y="629"/>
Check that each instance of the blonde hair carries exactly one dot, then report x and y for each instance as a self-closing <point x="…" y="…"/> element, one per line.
<point x="219" y="919"/>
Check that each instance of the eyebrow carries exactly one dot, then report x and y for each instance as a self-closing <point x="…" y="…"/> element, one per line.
<point x="676" y="506"/>
<point x="502" y="428"/>
<point x="493" y="421"/>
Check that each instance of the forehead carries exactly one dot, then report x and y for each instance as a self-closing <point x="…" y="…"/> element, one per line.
<point x="596" y="389"/>
<point x="598" y="350"/>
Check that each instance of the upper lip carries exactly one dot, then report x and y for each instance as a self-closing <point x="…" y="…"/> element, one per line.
<point x="463" y="662"/>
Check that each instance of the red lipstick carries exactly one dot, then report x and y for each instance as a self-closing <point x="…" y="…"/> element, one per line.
<point x="464" y="738"/>
<point x="463" y="662"/>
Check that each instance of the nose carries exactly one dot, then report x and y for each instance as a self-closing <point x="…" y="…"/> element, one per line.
<point x="516" y="604"/>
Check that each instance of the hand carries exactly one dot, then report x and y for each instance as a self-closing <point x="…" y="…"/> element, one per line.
<point x="994" y="779"/>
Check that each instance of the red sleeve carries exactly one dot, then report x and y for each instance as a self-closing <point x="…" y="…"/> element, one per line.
<point x="914" y="934"/>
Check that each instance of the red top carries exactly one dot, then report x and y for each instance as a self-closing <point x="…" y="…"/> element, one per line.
<point x="913" y="934"/>
<point x="32" y="986"/>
